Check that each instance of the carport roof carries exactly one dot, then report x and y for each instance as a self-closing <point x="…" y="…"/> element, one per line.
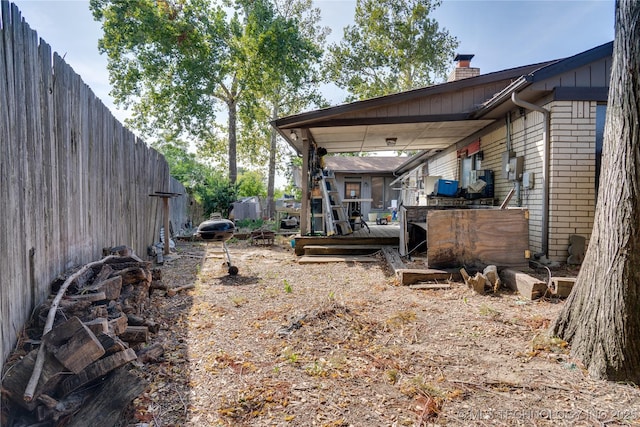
<point x="428" y="119"/>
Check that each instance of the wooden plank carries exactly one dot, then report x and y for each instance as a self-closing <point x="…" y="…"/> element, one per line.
<point x="393" y="259"/>
<point x="318" y="259"/>
<point x="341" y="249"/>
<point x="529" y="287"/>
<point x="477" y="237"/>
<point x="411" y="276"/>
<point x="430" y="286"/>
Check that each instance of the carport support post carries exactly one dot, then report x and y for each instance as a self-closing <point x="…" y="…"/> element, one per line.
<point x="304" y="214"/>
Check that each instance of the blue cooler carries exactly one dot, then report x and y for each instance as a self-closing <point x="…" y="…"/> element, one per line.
<point x="446" y="187"/>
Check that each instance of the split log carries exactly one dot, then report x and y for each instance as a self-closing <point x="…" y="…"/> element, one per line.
<point x="135" y="334"/>
<point x="105" y="272"/>
<point x="477" y="283"/>
<point x="151" y="354"/>
<point x="73" y="344"/>
<point x="173" y="291"/>
<point x="113" y="397"/>
<point x="393" y="258"/>
<point x="157" y="284"/>
<point x="111" y="343"/>
<point x="122" y="251"/>
<point x="91" y="297"/>
<point x="33" y="381"/>
<point x="17" y="377"/>
<point x="125" y="262"/>
<point x="134" y="275"/>
<point x="491" y="273"/>
<point x="119" y="324"/>
<point x="98" y="326"/>
<point x="97" y="370"/>
<point x="111" y="287"/>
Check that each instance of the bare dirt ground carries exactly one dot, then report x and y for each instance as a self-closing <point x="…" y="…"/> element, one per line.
<point x="283" y="344"/>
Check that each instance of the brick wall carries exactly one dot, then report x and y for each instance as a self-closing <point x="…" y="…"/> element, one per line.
<point x="572" y="193"/>
<point x="571" y="175"/>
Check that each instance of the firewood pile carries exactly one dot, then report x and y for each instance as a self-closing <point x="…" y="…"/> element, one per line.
<point x="71" y="368"/>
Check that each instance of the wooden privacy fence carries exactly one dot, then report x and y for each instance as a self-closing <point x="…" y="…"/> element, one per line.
<point x="72" y="179"/>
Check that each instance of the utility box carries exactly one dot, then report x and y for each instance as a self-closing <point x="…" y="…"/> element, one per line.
<point x="506" y="156"/>
<point x="446" y="187"/>
<point x="514" y="168"/>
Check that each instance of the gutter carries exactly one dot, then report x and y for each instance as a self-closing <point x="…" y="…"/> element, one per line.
<point x="545" y="167"/>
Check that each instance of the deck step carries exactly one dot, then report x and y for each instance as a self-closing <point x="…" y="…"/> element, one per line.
<point x="317" y="259"/>
<point x="341" y="249"/>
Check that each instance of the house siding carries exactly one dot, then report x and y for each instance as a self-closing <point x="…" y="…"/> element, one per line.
<point x="571" y="170"/>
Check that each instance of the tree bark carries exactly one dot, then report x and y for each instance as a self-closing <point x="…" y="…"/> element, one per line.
<point x="232" y="105"/>
<point x="273" y="150"/>
<point x="601" y="318"/>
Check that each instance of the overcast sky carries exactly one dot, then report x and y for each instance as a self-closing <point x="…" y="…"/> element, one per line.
<point x="501" y="34"/>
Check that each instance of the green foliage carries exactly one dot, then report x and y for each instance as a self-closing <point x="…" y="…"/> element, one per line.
<point x="206" y="184"/>
<point x="249" y="224"/>
<point x="393" y="46"/>
<point x="287" y="286"/>
<point x="219" y="194"/>
<point x="251" y="184"/>
<point x="178" y="64"/>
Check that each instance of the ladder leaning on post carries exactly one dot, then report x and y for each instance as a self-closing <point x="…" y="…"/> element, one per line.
<point x="336" y="219"/>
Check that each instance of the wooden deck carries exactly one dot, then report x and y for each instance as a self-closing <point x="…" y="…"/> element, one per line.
<point x="377" y="236"/>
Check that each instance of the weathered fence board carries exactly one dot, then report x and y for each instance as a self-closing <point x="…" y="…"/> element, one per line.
<point x="72" y="179"/>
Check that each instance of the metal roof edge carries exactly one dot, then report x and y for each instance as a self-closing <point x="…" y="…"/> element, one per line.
<point x="302" y="119"/>
<point x="547" y="71"/>
<point x="571" y="62"/>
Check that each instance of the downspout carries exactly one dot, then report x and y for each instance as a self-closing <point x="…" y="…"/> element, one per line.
<point x="545" y="167"/>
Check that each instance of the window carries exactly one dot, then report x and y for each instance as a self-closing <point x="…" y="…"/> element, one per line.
<point x="352" y="190"/>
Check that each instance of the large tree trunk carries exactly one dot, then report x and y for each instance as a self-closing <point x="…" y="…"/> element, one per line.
<point x="273" y="151"/>
<point x="232" y="104"/>
<point x="601" y="318"/>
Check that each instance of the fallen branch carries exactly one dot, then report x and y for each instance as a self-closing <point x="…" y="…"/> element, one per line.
<point x="37" y="368"/>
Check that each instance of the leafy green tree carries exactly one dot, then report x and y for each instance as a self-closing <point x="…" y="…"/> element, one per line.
<point x="219" y="194"/>
<point x="208" y="186"/>
<point x="251" y="184"/>
<point x="177" y="64"/>
<point x="289" y="84"/>
<point x="393" y="46"/>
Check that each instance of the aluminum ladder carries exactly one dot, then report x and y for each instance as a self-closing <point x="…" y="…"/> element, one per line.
<point x="336" y="220"/>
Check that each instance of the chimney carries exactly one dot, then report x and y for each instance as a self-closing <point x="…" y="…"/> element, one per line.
<point x="463" y="68"/>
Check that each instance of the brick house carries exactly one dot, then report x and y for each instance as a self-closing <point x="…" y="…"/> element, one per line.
<point x="544" y="120"/>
